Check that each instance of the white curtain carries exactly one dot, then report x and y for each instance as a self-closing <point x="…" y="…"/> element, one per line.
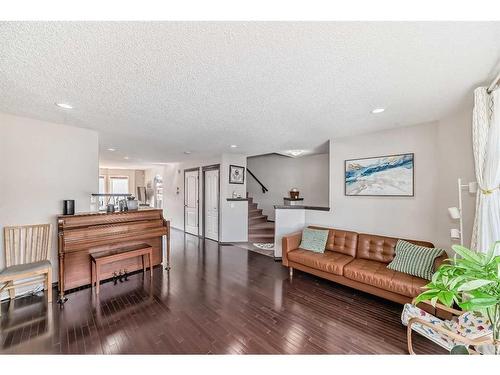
<point x="486" y="146"/>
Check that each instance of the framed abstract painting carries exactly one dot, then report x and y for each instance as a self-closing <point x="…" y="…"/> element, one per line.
<point x="389" y="176"/>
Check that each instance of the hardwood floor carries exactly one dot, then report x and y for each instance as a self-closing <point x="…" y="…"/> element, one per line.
<point x="215" y="299"/>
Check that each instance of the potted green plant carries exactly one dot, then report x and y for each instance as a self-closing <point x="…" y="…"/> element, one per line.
<point x="472" y="281"/>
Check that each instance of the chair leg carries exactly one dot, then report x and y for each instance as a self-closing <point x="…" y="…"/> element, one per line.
<point x="48" y="285"/>
<point x="12" y="290"/>
<point x="5" y="285"/>
<point x="291" y="271"/>
<point x="409" y="332"/>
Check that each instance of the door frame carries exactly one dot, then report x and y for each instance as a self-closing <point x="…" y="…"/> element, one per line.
<point x="213" y="167"/>
<point x="197" y="169"/>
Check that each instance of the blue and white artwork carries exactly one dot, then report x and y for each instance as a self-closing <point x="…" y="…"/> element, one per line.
<point x="390" y="175"/>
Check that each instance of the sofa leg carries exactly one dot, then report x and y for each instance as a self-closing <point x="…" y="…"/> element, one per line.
<point x="291" y="271"/>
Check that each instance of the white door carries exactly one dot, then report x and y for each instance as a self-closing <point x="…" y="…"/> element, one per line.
<point x="191" y="202"/>
<point x="212" y="204"/>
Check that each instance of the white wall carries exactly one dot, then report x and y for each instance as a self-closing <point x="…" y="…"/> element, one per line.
<point x="287" y="221"/>
<point x="234" y="215"/>
<point x="455" y="160"/>
<point x="309" y="174"/>
<point x="442" y="154"/>
<point x="41" y="164"/>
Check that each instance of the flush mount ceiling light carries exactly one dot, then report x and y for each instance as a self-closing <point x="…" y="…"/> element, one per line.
<point x="187" y="152"/>
<point x="126" y="157"/>
<point x="233" y="146"/>
<point x="296" y="153"/>
<point x="64" y="105"/>
<point x="111" y="149"/>
<point x="378" y="110"/>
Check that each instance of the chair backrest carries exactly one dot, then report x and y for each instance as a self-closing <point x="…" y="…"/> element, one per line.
<point x="27" y="243"/>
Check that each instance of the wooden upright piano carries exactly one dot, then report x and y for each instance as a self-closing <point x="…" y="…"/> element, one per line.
<point x="82" y="234"/>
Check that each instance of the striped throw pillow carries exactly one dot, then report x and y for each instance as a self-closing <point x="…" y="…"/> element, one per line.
<point x="314" y="240"/>
<point x="414" y="260"/>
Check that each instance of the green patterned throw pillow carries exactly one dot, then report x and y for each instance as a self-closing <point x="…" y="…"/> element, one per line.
<point x="414" y="260"/>
<point x="314" y="240"/>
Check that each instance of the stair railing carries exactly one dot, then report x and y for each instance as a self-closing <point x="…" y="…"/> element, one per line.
<point x="264" y="189"/>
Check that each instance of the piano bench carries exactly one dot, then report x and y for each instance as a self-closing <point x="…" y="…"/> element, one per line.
<point x="109" y="256"/>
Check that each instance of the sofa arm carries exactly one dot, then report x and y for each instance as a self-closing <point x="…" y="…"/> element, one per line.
<point x="289" y="243"/>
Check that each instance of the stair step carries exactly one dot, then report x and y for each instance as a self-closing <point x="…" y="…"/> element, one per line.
<point x="253" y="213"/>
<point x="267" y="224"/>
<point x="257" y="219"/>
<point x="264" y="228"/>
<point x="259" y="229"/>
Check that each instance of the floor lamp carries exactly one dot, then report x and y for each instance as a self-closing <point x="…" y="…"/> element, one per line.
<point x="457" y="212"/>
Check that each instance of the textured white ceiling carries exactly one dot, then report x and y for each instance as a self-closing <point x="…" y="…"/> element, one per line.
<point x="156" y="89"/>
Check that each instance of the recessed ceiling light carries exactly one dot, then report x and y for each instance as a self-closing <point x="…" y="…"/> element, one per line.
<point x="64" y="105"/>
<point x="378" y="110"/>
<point x="234" y="146"/>
<point x="111" y="149"/>
<point x="187" y="152"/>
<point x="126" y="157"/>
<point x="296" y="152"/>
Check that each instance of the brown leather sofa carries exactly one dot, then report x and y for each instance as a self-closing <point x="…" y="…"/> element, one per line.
<point x="357" y="260"/>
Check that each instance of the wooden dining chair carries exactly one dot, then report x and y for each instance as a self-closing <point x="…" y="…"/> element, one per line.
<point x="27" y="251"/>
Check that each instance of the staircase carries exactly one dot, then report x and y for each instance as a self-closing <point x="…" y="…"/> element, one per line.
<point x="259" y="229"/>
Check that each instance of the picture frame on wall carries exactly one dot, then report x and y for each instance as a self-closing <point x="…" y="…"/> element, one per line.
<point x="380" y="176"/>
<point x="236" y="174"/>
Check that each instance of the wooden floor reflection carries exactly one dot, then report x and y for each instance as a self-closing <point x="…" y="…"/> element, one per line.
<point x="215" y="299"/>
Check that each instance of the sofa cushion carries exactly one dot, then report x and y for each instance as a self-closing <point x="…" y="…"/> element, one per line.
<point x="341" y="241"/>
<point x="314" y="240"/>
<point x="328" y="261"/>
<point x="377" y="274"/>
<point x="380" y="248"/>
<point x="414" y="260"/>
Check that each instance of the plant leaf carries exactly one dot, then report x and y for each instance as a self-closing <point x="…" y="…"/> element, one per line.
<point x="446" y="297"/>
<point x="478" y="304"/>
<point x="456" y="281"/>
<point x="427" y="295"/>
<point x="491" y="253"/>
<point x="467" y="253"/>
<point x="434" y="300"/>
<point x="473" y="284"/>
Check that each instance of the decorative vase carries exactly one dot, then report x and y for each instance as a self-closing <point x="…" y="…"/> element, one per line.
<point x="294" y="194"/>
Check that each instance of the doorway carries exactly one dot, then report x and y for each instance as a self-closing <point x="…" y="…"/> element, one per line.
<point x="191" y="200"/>
<point x="211" y="198"/>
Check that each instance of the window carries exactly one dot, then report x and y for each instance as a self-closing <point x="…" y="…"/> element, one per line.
<point x="102" y="190"/>
<point x="118" y="185"/>
<point x="102" y="186"/>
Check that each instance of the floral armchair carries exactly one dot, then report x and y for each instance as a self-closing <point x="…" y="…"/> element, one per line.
<point x="470" y="329"/>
